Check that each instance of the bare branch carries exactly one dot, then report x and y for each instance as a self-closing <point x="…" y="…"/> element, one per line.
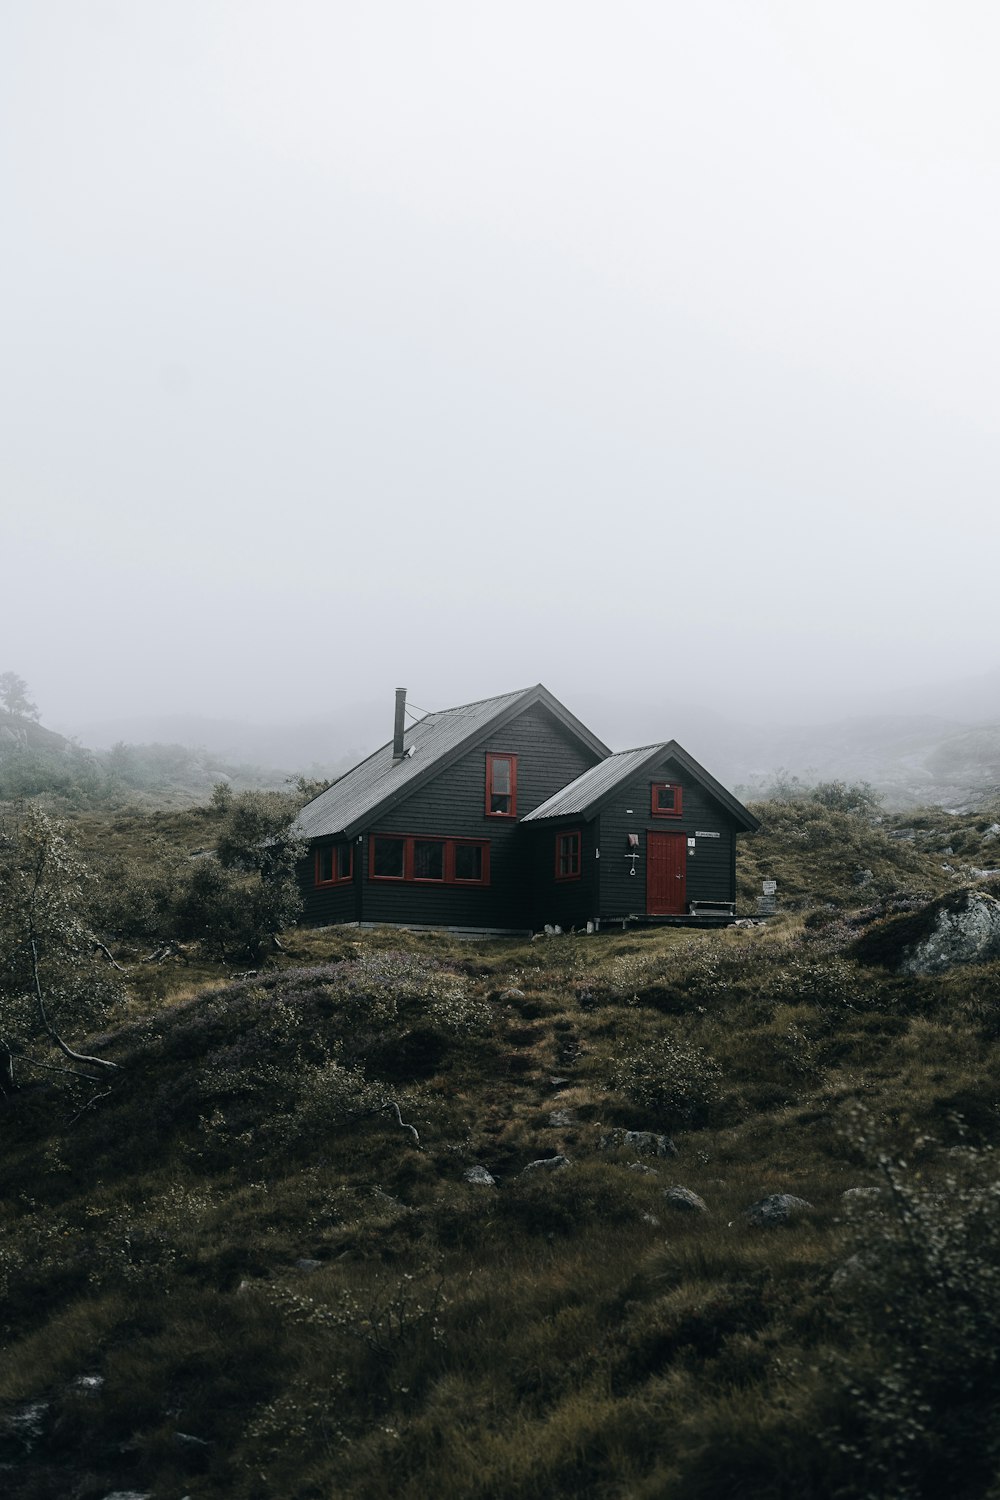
<point x="168" y="949"/>
<point x="81" y="1057"/>
<point x="100" y="947"/>
<point x="391" y="1104"/>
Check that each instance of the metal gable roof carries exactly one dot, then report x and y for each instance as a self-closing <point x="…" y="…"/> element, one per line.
<point x="376" y="784"/>
<point x="583" y="797"/>
<point x="590" y="788"/>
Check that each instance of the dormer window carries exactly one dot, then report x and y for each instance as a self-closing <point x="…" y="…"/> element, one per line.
<point x="666" y="799"/>
<point x="501" y="786"/>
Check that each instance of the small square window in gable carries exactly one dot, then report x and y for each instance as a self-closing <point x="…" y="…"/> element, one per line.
<point x="667" y="799"/>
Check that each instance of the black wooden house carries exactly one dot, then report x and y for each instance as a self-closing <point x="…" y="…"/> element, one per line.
<point x="509" y="814"/>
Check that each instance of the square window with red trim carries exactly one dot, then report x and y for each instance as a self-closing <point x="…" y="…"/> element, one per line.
<point x="501" y="785"/>
<point x="666" y="799"/>
<point x="568" y="862"/>
<point x="334" y="864"/>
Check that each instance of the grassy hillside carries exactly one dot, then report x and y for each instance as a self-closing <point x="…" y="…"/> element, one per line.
<point x="255" y="1267"/>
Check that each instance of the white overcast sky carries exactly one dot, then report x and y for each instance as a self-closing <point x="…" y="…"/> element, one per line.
<point x="646" y="347"/>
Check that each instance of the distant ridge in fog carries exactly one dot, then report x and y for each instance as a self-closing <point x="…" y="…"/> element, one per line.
<point x="940" y="745"/>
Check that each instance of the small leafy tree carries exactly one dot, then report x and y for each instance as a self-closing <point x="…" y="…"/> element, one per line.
<point x="50" y="981"/>
<point x="14" y="696"/>
<point x="859" y="798"/>
<point x="239" y="901"/>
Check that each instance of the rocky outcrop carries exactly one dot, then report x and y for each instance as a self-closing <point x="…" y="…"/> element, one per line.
<point x="547" y="1164"/>
<point x="479" y="1177"/>
<point x="966" y="930"/>
<point x="776" y="1208"/>
<point x="685" y="1201"/>
<point x="642" y="1142"/>
<point x="960" y="928"/>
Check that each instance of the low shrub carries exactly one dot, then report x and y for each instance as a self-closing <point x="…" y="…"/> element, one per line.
<point x="674" y="1081"/>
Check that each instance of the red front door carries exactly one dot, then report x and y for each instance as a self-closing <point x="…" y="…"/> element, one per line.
<point x="666" y="874"/>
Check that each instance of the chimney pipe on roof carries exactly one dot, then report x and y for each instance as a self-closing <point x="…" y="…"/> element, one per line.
<point x="398" y="727"/>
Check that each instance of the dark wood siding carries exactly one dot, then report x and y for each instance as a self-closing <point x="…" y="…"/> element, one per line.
<point x="324" y="905"/>
<point x="563" y="903"/>
<point x="710" y="864"/>
<point x="453" y="805"/>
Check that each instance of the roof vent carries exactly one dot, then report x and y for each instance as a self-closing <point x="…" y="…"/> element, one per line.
<point x="398" y="727"/>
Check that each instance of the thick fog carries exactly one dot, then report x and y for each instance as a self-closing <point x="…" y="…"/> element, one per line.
<point x="647" y="350"/>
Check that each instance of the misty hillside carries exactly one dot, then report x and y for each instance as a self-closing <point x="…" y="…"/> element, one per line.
<point x="911" y="759"/>
<point x="17" y="732"/>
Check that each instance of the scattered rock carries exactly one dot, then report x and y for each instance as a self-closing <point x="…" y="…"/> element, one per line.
<point x="23" y="1424"/>
<point x="645" y="1142"/>
<point x="776" y="1208"/>
<point x="560" y="1117"/>
<point x="386" y="1198"/>
<point x="559" y="1083"/>
<point x="479" y="1177"/>
<point x="188" y="1440"/>
<point x="992" y="833"/>
<point x="907" y="834"/>
<point x="651" y="1219"/>
<point x="851" y="1268"/>
<point x="965" y="929"/>
<point x="307" y="1265"/>
<point x="862" y="877"/>
<point x="511" y="994"/>
<point x="860" y="1194"/>
<point x="547" y="1164"/>
<point x="88" y="1384"/>
<point x="640" y="1166"/>
<point x="960" y="928"/>
<point x="685" y="1201"/>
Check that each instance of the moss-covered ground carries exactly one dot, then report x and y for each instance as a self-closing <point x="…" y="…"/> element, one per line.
<point x="254" y="1267"/>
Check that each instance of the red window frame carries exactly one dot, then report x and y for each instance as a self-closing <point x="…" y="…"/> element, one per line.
<point x="491" y="757"/>
<point x="666" y="812"/>
<point x="569" y="854"/>
<point x="448" y="876"/>
<point x="334" y="851"/>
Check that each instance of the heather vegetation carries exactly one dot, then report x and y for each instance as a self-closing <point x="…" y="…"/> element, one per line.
<point x="253" y="1258"/>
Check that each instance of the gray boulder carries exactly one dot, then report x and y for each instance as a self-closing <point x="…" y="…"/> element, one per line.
<point x="547" y="1164"/>
<point x="479" y="1177"/>
<point x="776" y="1208"/>
<point x="965" y="930"/>
<point x="642" y="1142"/>
<point x="684" y="1201"/>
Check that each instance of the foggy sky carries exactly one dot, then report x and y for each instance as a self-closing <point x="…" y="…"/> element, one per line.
<point x="645" y="345"/>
